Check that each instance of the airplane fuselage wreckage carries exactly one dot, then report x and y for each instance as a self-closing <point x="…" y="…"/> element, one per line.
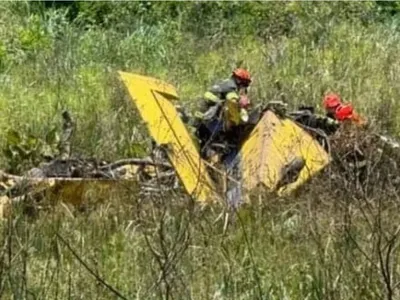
<point x="270" y="148"/>
<point x="277" y="154"/>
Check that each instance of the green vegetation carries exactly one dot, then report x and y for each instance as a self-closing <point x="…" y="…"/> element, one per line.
<point x="321" y="244"/>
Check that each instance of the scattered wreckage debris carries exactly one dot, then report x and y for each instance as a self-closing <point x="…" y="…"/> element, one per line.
<point x="74" y="180"/>
<point x="365" y="161"/>
<point x="277" y="154"/>
<point x="364" y="166"/>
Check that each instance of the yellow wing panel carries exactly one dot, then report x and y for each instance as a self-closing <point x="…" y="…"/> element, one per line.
<point x="273" y="144"/>
<point x="77" y="191"/>
<point x="151" y="97"/>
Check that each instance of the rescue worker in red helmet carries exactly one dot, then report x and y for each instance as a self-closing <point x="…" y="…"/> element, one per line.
<point x="345" y="113"/>
<point x="232" y="92"/>
<point x="233" y="89"/>
<point x="335" y="109"/>
<point x="336" y="113"/>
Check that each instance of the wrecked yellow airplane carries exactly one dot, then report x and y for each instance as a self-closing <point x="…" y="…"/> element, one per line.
<point x="277" y="155"/>
<point x="272" y="146"/>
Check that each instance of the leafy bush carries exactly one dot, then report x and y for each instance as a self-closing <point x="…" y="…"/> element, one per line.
<point x="23" y="151"/>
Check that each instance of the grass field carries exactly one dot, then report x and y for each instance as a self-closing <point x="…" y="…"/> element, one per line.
<point x="319" y="244"/>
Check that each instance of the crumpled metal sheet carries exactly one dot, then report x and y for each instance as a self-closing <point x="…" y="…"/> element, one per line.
<point x="272" y="146"/>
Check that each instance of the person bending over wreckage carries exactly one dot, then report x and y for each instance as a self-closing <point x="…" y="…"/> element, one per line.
<point x="336" y="112"/>
<point x="223" y="109"/>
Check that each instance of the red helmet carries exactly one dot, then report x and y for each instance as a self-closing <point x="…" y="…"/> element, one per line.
<point x="242" y="74"/>
<point x="344" y="112"/>
<point x="331" y="101"/>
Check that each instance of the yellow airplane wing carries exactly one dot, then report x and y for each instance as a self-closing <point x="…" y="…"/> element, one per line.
<point x="73" y="191"/>
<point x="152" y="98"/>
<point x="274" y="144"/>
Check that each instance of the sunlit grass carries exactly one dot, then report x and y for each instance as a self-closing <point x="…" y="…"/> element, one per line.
<point x="299" y="248"/>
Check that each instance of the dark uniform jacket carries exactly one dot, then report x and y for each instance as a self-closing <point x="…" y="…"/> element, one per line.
<point x="307" y="117"/>
<point x="217" y="94"/>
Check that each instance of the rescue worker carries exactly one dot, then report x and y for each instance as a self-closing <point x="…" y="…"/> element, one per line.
<point x="336" y="110"/>
<point x="230" y="94"/>
<point x="354" y="160"/>
<point x="228" y="90"/>
<point x="345" y="112"/>
<point x="336" y="113"/>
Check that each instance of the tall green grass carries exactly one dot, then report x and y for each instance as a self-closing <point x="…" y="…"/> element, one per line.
<point x="312" y="246"/>
<point x="275" y="250"/>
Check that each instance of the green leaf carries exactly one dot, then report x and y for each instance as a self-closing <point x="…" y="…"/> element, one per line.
<point x="13" y="137"/>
